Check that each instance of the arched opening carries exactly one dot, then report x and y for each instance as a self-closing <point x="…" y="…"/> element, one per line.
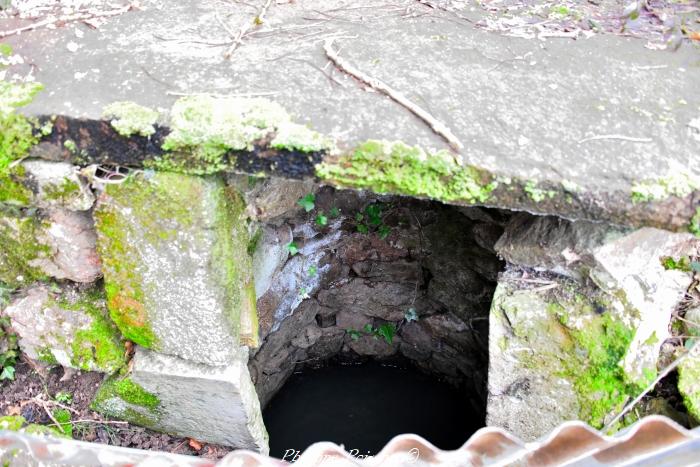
<point x="382" y="308"/>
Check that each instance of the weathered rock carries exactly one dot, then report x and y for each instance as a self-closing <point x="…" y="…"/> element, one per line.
<point x="329" y="343"/>
<point x="57" y="184"/>
<point x="69" y="327"/>
<point x="373" y="346"/>
<point x="553" y="244"/>
<point x="389" y="302"/>
<point x="57" y="243"/>
<point x="269" y="249"/>
<point x="631" y="268"/>
<point x="177" y="272"/>
<point x="351" y="319"/>
<point x="555" y="355"/>
<point x="267" y="198"/>
<point x="215" y="404"/>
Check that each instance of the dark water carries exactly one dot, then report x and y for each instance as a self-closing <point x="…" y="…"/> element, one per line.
<point x="363" y="407"/>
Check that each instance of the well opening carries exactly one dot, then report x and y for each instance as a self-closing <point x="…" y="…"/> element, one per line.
<point x="376" y="282"/>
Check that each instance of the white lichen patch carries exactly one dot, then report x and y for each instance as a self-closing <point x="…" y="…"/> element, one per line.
<point x="130" y="119"/>
<point x="678" y="183"/>
<point x="218" y="124"/>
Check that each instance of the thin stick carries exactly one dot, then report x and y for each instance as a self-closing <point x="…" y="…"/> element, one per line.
<point x="238" y="39"/>
<point x="100" y="422"/>
<point x="653" y="384"/>
<point x="437" y="126"/>
<point x="618" y="137"/>
<point x="48" y="412"/>
<point x="67" y="19"/>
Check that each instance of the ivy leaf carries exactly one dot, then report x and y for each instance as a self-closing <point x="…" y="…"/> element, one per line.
<point x="312" y="271"/>
<point x="7" y="373"/>
<point x="292" y="248"/>
<point x="307" y="202"/>
<point x="334" y="212"/>
<point x="321" y="219"/>
<point x="384" y="231"/>
<point x="411" y="315"/>
<point x="387" y="331"/>
<point x="362" y="228"/>
<point x="368" y="328"/>
<point x="374" y="212"/>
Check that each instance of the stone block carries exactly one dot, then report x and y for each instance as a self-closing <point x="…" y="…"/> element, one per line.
<point x="214" y="404"/>
<point x="69" y="327"/>
<point x="56" y="243"/>
<point x="631" y="267"/>
<point x="177" y="272"/>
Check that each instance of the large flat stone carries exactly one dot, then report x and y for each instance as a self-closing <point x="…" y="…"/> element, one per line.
<point x="67" y="327"/>
<point x="557" y="123"/>
<point x="215" y="404"/>
<point x="177" y="272"/>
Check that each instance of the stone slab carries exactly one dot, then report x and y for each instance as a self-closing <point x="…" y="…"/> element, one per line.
<point x="214" y="404"/>
<point x="577" y="126"/>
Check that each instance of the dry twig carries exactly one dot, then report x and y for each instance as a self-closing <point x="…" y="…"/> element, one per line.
<point x="81" y="16"/>
<point x="617" y="137"/>
<point x="238" y="39"/>
<point x="437" y="126"/>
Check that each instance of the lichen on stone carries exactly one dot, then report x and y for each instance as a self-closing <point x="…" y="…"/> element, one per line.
<point x="205" y="128"/>
<point x="538" y="194"/>
<point x="394" y="167"/>
<point x="22" y="245"/>
<point x="689" y="381"/>
<point x="679" y="183"/>
<point x="694" y="225"/>
<point x="129" y="118"/>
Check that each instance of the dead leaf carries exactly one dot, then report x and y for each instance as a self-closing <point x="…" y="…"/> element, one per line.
<point x="694" y="35"/>
<point x="13" y="410"/>
<point x="194" y="444"/>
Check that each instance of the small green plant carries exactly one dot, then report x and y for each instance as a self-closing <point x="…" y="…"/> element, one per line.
<point x="308" y="202"/>
<point x="8" y="358"/>
<point x="680" y="264"/>
<point x="65" y="426"/>
<point x="292" y="248"/>
<point x="64" y="397"/>
<point x="335" y="212"/>
<point x="371" y="220"/>
<point x="321" y="219"/>
<point x="387" y="331"/>
<point x="313" y="270"/>
<point x="354" y="334"/>
<point x="694" y="227"/>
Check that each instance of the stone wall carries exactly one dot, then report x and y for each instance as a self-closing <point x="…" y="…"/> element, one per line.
<point x="226" y="284"/>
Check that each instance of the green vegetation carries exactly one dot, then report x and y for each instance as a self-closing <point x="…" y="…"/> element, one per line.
<point x="64" y="397"/>
<point x="307" y="202"/>
<point x="679" y="184"/>
<point x="292" y="248"/>
<point x="370" y="220"/>
<point x="19" y="423"/>
<point x="694" y="226"/>
<point x="8" y="358"/>
<point x="681" y="264"/>
<point x="129" y="118"/>
<point x="63" y="418"/>
<point x="537" y="194"/>
<point x="21" y="238"/>
<point x="387" y="331"/>
<point x="393" y="167"/>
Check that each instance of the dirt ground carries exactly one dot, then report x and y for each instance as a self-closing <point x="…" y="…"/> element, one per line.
<point x="36" y="387"/>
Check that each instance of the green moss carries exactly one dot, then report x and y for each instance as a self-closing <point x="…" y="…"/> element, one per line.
<point x="254" y="241"/>
<point x="71" y="146"/>
<point x="204" y="129"/>
<point x="46" y="355"/>
<point x="694" y="225"/>
<point x="386" y="167"/>
<point x="12" y="422"/>
<point x="598" y="378"/>
<point x="99" y="346"/>
<point x="129" y="118"/>
<point x="62" y="416"/>
<point x="16" y="131"/>
<point x="63" y="192"/>
<point x="126" y="390"/>
<point x="679" y="184"/>
<point x="12" y="189"/>
<point x="689" y="385"/>
<point x="538" y="194"/>
<point x="20" y="238"/>
<point x="671" y="264"/>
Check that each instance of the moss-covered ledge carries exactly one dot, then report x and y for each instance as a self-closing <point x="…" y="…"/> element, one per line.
<point x="203" y="134"/>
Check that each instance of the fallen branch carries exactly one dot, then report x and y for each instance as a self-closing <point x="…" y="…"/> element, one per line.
<point x="238" y="39"/>
<point x="695" y="349"/>
<point x="617" y="137"/>
<point x="67" y="19"/>
<point x="437" y="126"/>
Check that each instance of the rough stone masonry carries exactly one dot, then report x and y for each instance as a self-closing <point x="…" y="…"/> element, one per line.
<point x="120" y="219"/>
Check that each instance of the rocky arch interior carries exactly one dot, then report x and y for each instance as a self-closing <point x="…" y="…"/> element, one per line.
<point x="386" y="278"/>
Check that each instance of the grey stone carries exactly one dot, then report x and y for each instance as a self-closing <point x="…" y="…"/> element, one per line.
<point x="57" y="243"/>
<point x="68" y="327"/>
<point x="214" y="404"/>
<point x="390" y="302"/>
<point x="268" y="198"/>
<point x="553" y="244"/>
<point x="177" y="271"/>
<point x="631" y="267"/>
<point x="373" y="346"/>
<point x="269" y="256"/>
<point x="349" y="319"/>
<point x="58" y="184"/>
<point x="547" y="123"/>
<point x="308" y="337"/>
<point x="329" y="343"/>
<point x="486" y="235"/>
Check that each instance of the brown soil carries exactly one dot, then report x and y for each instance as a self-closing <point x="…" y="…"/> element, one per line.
<point x="33" y="384"/>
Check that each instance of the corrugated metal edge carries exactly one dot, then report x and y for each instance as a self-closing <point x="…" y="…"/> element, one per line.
<point x="654" y="441"/>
